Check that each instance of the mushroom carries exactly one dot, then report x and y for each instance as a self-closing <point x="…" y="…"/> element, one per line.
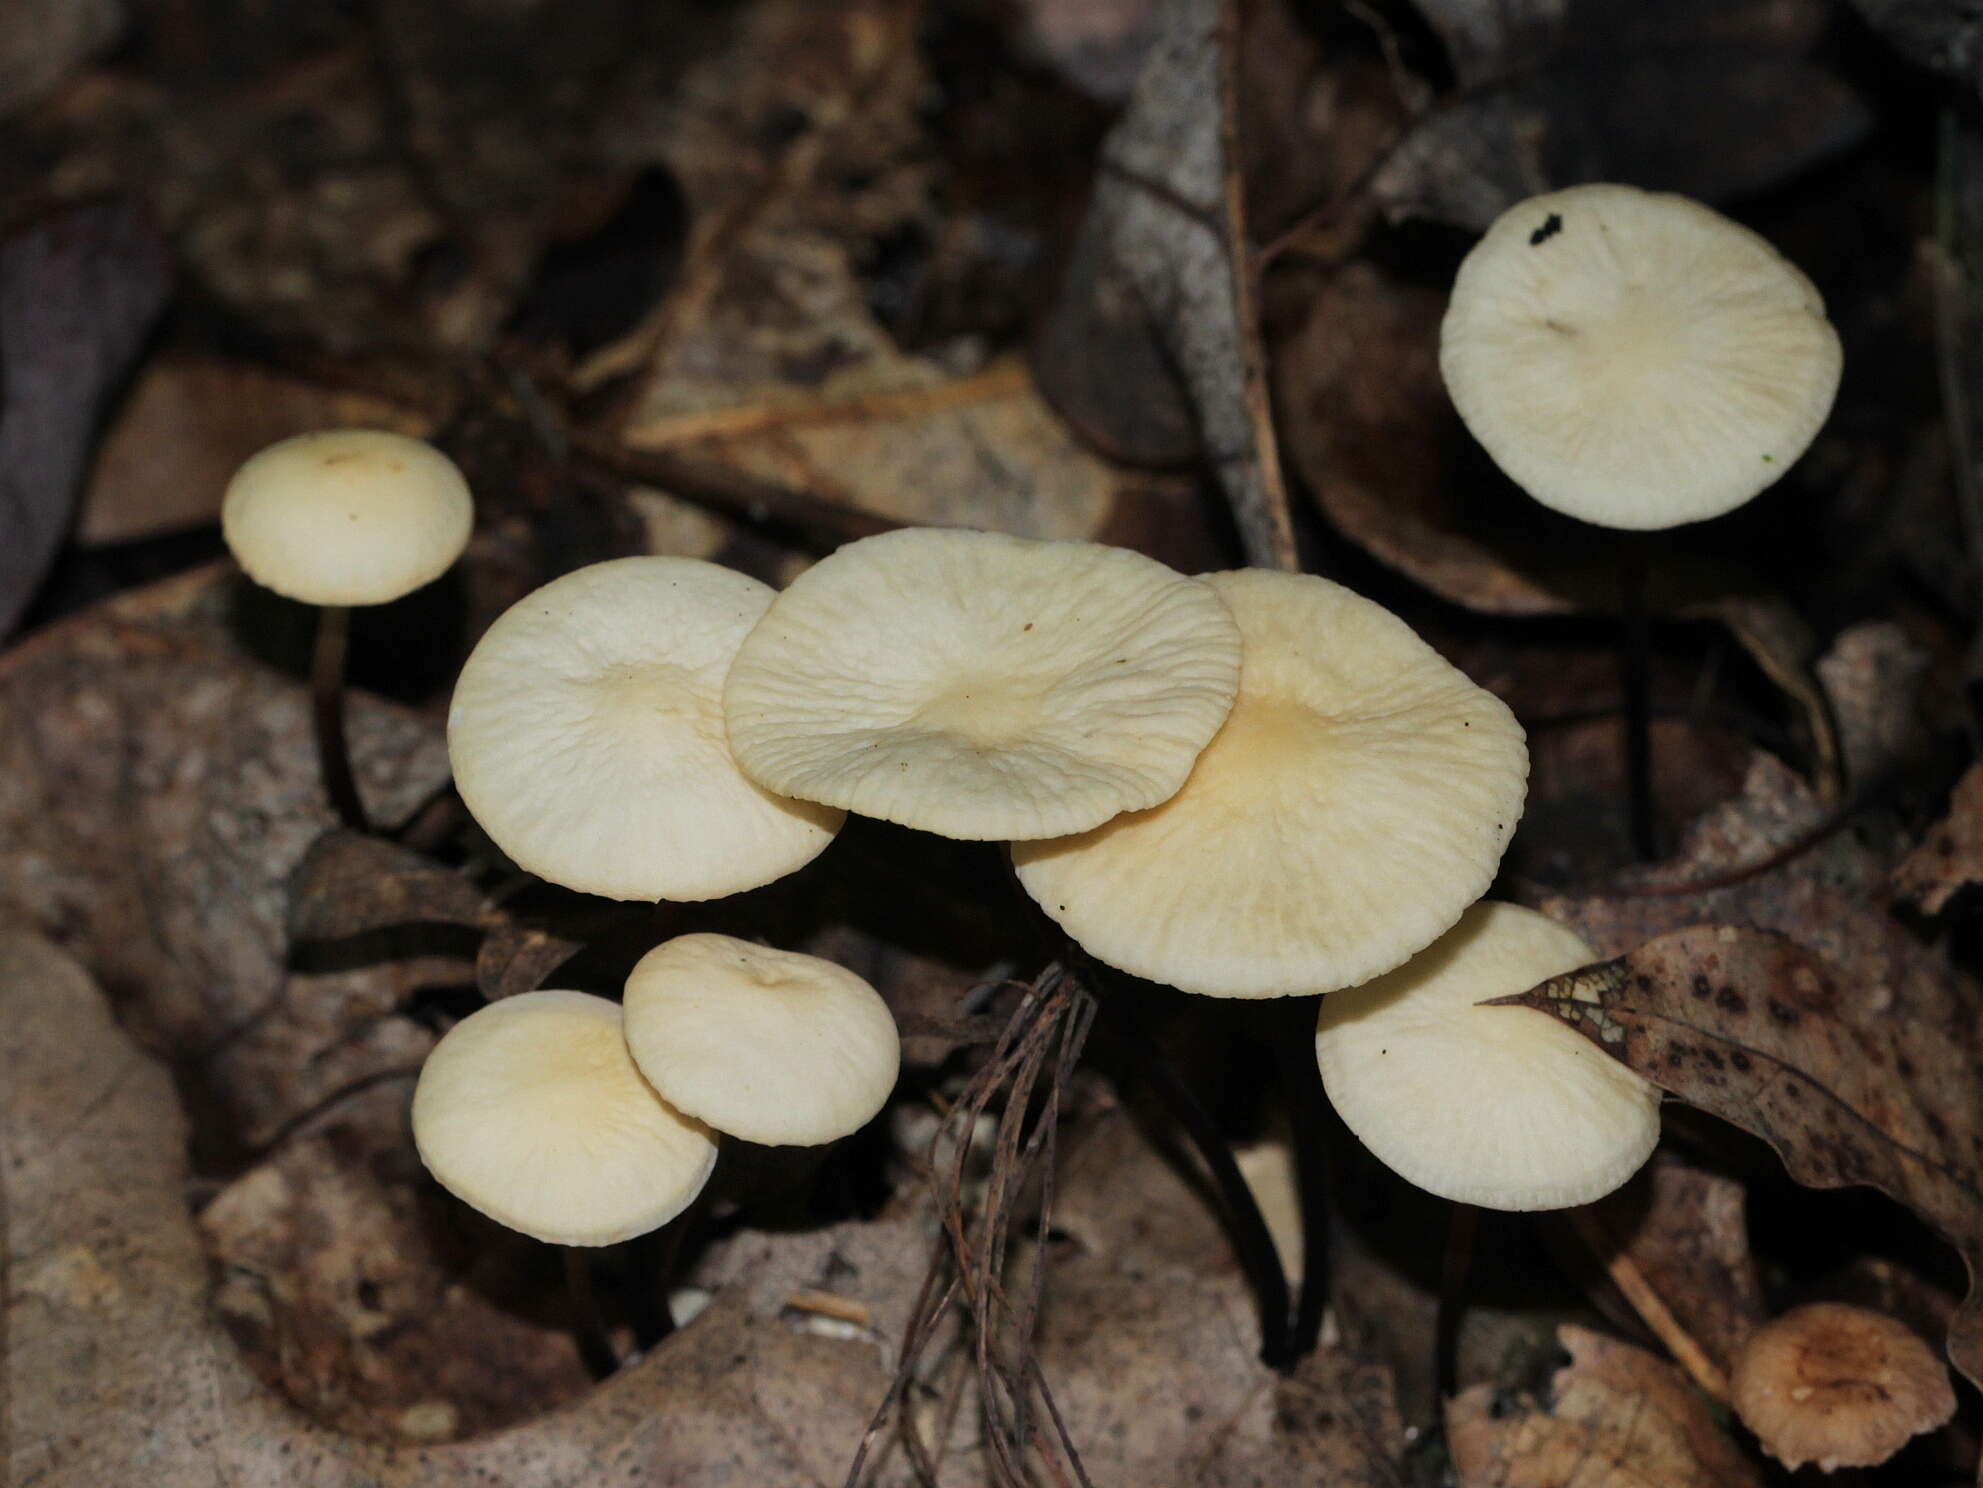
<point x="531" y="1110"/>
<point x="982" y="686"/>
<point x="586" y="735"/>
<point x="1487" y="1107"/>
<point x="340" y="518"/>
<point x="1358" y="798"/>
<point x="1838" y="1385"/>
<point x="1500" y="1107"/>
<point x="768" y="1045"/>
<point x="1636" y="360"/>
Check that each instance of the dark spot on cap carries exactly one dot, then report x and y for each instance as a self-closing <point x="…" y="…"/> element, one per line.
<point x="1551" y="226"/>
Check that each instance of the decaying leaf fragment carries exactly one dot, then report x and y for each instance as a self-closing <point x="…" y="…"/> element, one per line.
<point x="1153" y="350"/>
<point x="1951" y="856"/>
<point x="1851" y="1082"/>
<point x="1617" y="1418"/>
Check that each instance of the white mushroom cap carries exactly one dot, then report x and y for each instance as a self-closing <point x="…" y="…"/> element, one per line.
<point x="1356" y="801"/>
<point x="531" y="1110"/>
<point x="347" y="517"/>
<point x="1503" y="1107"/>
<point x="586" y="735"/>
<point x="1838" y="1385"/>
<point x="983" y="686"/>
<point x="1635" y="359"/>
<point x="768" y="1045"/>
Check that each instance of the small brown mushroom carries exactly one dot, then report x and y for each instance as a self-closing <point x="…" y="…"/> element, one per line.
<point x="1840" y="1386"/>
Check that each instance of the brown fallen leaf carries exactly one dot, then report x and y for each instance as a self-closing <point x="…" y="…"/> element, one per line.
<point x="78" y="290"/>
<point x="1616" y="1418"/>
<point x="349" y="883"/>
<point x="1852" y="1082"/>
<point x="189" y="420"/>
<point x="1153" y="349"/>
<point x="157" y="785"/>
<point x="374" y="1301"/>
<point x="1951" y="856"/>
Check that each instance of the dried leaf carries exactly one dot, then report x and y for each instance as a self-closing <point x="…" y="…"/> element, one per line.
<point x="1672" y="99"/>
<point x="78" y="291"/>
<point x="157" y="786"/>
<point x="517" y="958"/>
<point x="375" y="1302"/>
<point x="1852" y="1082"/>
<point x="350" y="884"/>
<point x="1157" y="312"/>
<point x="1617" y="1418"/>
<point x="189" y="420"/>
<point x="1951" y="856"/>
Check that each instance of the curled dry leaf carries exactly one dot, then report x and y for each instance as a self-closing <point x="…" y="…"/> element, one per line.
<point x="1617" y="1418"/>
<point x="1851" y="1081"/>
<point x="1157" y="310"/>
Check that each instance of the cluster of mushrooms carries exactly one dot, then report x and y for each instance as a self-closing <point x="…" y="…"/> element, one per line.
<point x="1247" y="785"/>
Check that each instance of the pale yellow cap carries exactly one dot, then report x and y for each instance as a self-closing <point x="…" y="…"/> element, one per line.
<point x="983" y="686"/>
<point x="1358" y="798"/>
<point x="531" y="1110"/>
<point x="768" y="1045"/>
<point x="586" y="735"/>
<point x="1838" y="1385"/>
<point x="1635" y="359"/>
<point x="1503" y="1107"/>
<point x="347" y="517"/>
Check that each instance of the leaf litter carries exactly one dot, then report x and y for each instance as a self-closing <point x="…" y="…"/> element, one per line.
<point x="803" y="273"/>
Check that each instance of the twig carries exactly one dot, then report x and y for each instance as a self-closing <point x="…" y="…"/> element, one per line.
<point x="1647" y="1302"/>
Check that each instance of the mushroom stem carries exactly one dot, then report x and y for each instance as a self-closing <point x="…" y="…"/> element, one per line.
<point x="327" y="710"/>
<point x="595" y="1343"/>
<point x="1291" y="1031"/>
<point x="1462" y="1224"/>
<point x="1246" y="1227"/>
<point x="1638" y="703"/>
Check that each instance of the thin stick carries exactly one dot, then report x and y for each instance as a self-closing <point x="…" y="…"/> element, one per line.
<point x="1638" y="706"/>
<point x="1648" y="1304"/>
<point x="1291" y="1030"/>
<point x="1462" y="1224"/>
<point x="327" y="710"/>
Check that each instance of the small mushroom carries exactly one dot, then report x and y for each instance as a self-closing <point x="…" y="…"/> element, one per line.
<point x="1358" y="798"/>
<point x="768" y="1045"/>
<point x="340" y="518"/>
<point x="1635" y="359"/>
<point x="982" y="686"/>
<point x="1838" y="1385"/>
<point x="531" y="1111"/>
<point x="347" y="516"/>
<point x="1500" y="1107"/>
<point x="586" y="735"/>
